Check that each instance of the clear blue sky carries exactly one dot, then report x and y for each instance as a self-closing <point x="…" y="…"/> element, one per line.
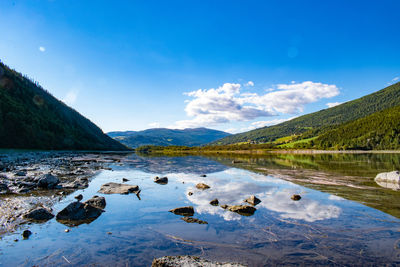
<point x="127" y="64"/>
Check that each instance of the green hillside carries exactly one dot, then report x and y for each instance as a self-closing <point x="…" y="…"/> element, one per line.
<point x="168" y="137"/>
<point x="378" y="131"/>
<point x="318" y="122"/>
<point x="31" y="118"/>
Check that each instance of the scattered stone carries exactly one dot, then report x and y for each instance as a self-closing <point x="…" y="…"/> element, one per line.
<point x="214" y="202"/>
<point x="190" y="193"/>
<point x="172" y="261"/>
<point x="224" y="206"/>
<point x="77" y="213"/>
<point x="243" y="210"/>
<point x="115" y="188"/>
<point x="253" y="200"/>
<point x="162" y="180"/>
<point x="202" y="186"/>
<point x="236" y="161"/>
<point x="193" y="220"/>
<point x="16" y="240"/>
<point x="184" y="211"/>
<point x="125" y="180"/>
<point x="96" y="201"/>
<point x="203" y="175"/>
<point x="66" y="230"/>
<point x="79" y="197"/>
<point x="48" y="181"/>
<point x="109" y="233"/>
<point x="26" y="234"/>
<point x="296" y="197"/>
<point x="39" y="214"/>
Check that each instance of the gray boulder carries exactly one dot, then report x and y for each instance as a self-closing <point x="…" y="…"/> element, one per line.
<point x="48" y="181"/>
<point x="253" y="200"/>
<point x="162" y="180"/>
<point x="115" y="188"/>
<point x="78" y="213"/>
<point x="242" y="209"/>
<point x="39" y="214"/>
<point x="184" y="211"/>
<point x="96" y="201"/>
<point x="390" y="180"/>
<point x="390" y="177"/>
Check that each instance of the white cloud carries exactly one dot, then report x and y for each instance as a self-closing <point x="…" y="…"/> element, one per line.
<point x="249" y="83"/>
<point x="42" y="48"/>
<point x="395" y="79"/>
<point x="331" y="105"/>
<point x="70" y="97"/>
<point x="227" y="103"/>
<point x="154" y="125"/>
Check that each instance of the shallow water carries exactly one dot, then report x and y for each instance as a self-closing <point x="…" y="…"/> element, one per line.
<point x="320" y="229"/>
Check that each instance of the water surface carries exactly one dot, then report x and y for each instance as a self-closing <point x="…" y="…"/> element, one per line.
<point x="320" y="229"/>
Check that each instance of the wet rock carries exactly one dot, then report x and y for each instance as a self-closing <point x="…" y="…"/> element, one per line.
<point x="203" y="175"/>
<point x="184" y="211"/>
<point x="79" y="197"/>
<point x="3" y="188"/>
<point x="242" y="209"/>
<point x="224" y="206"/>
<point x="26" y="234"/>
<point x="66" y="230"/>
<point x="389" y="177"/>
<point x="125" y="180"/>
<point x="202" y="186"/>
<point x="77" y="213"/>
<point x="115" y="188"/>
<point x="253" y="200"/>
<point x="79" y="183"/>
<point x="162" y="180"/>
<point x="48" y="181"/>
<point x="296" y="197"/>
<point x="236" y="161"/>
<point x="193" y="220"/>
<point x="39" y="214"/>
<point x="190" y="193"/>
<point x="214" y="202"/>
<point x="173" y="261"/>
<point x="96" y="201"/>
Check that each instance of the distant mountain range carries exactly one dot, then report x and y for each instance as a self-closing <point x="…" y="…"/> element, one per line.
<point x="370" y="122"/>
<point x="31" y="118"/>
<point x="168" y="137"/>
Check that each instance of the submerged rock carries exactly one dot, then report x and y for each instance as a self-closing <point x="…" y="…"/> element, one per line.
<point x="214" y="202"/>
<point x="242" y="209"/>
<point x="39" y="215"/>
<point x="115" y="188"/>
<point x="296" y="197"/>
<point x="253" y="200"/>
<point x="77" y="213"/>
<point x="202" y="186"/>
<point x="48" y="181"/>
<point x="190" y="261"/>
<point x="184" y="211"/>
<point x="193" y="220"/>
<point x="162" y="180"/>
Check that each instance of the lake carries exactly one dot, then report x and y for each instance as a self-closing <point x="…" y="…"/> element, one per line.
<point x="342" y="218"/>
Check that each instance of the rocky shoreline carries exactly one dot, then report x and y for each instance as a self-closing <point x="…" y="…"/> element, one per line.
<point x="35" y="181"/>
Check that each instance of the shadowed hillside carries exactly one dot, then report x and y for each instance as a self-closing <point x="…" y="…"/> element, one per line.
<point x="31" y="118"/>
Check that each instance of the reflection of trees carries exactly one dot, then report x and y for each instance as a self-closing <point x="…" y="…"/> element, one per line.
<point x="165" y="164"/>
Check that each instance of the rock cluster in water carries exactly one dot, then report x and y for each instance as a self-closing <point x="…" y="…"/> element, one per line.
<point x="173" y="261"/>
